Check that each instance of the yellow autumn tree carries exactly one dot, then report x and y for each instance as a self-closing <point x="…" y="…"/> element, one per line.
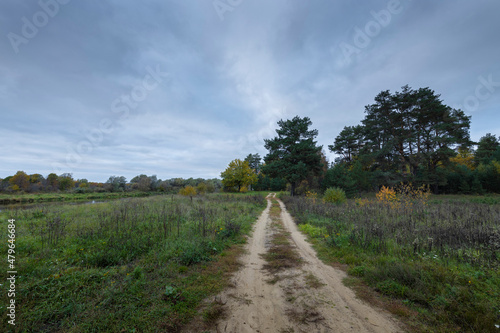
<point x="464" y="157"/>
<point x="188" y="191"/>
<point x="239" y="175"/>
<point x="20" y="181"/>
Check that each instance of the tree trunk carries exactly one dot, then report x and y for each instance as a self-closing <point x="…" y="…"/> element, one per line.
<point x="292" y="189"/>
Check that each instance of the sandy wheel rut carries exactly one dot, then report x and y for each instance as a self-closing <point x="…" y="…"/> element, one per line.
<point x="274" y="294"/>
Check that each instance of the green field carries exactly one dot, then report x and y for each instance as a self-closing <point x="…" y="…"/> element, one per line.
<point x="130" y="265"/>
<point x="147" y="264"/>
<point x="437" y="263"/>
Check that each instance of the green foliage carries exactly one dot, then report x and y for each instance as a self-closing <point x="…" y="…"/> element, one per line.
<point x="170" y="291"/>
<point x="312" y="231"/>
<point x="293" y="154"/>
<point x="360" y="177"/>
<point x="266" y="183"/>
<point x="486" y="149"/>
<point x="66" y="181"/>
<point x="193" y="252"/>
<point x="339" y="176"/>
<point x="463" y="180"/>
<point x="142" y="183"/>
<point x="202" y="188"/>
<point x="391" y="136"/>
<point x="348" y="143"/>
<point x="254" y="162"/>
<point x="115" y="184"/>
<point x="334" y="195"/>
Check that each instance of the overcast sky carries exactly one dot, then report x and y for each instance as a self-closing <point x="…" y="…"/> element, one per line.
<point x="180" y="88"/>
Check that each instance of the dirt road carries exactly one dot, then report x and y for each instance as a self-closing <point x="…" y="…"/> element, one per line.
<point x="311" y="298"/>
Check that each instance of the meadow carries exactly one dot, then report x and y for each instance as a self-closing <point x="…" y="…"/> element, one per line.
<point x="435" y="260"/>
<point x="25" y="198"/>
<point x="129" y="265"/>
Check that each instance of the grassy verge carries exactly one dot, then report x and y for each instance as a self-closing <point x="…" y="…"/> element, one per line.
<point x="435" y="265"/>
<point x="133" y="265"/>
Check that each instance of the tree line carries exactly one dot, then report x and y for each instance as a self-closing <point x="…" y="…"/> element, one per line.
<point x="21" y="182"/>
<point x="408" y="136"/>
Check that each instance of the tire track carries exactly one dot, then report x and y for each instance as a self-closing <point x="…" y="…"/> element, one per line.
<point x="307" y="299"/>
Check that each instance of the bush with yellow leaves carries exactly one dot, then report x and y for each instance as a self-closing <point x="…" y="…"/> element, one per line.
<point x="404" y="196"/>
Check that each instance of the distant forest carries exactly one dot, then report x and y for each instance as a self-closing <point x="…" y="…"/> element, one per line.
<point x="408" y="136"/>
<point x="36" y="183"/>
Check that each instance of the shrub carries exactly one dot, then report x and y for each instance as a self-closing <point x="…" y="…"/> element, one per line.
<point x="334" y="195"/>
<point x="403" y="196"/>
<point x="311" y="195"/>
<point x="387" y="195"/>
<point x="310" y="230"/>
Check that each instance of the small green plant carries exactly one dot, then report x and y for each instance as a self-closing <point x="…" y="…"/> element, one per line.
<point x="170" y="291"/>
<point x="334" y="195"/>
<point x="311" y="230"/>
<point x="138" y="273"/>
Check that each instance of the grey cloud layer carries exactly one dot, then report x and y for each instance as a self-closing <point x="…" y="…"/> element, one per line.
<point x="229" y="80"/>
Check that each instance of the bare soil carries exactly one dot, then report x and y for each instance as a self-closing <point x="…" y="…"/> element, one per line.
<point x="306" y="298"/>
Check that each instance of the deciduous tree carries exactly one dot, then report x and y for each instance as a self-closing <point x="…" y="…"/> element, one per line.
<point x="52" y="182"/>
<point x="114" y="183"/>
<point x="20" y="181"/>
<point x="141" y="183"/>
<point x="238" y="174"/>
<point x="188" y="191"/>
<point x="464" y="157"/>
<point x="66" y="181"/>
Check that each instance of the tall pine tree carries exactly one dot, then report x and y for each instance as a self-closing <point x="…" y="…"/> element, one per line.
<point x="293" y="154"/>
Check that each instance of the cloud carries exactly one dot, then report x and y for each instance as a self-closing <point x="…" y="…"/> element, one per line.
<point x="229" y="81"/>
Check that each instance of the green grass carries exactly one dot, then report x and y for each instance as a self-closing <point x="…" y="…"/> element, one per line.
<point x="142" y="264"/>
<point x="437" y="266"/>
